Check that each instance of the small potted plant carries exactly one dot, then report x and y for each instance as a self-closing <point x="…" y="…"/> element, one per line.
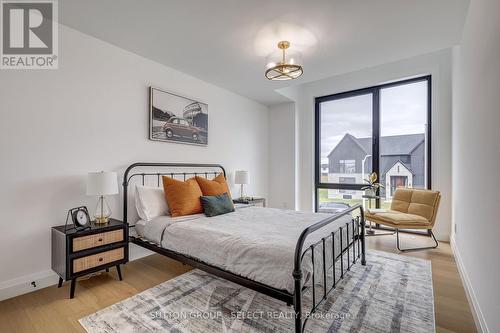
<point x="372" y="186"/>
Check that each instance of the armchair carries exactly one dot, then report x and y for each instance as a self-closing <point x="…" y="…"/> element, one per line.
<point x="410" y="209"/>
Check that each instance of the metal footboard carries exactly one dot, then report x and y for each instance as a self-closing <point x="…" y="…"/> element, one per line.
<point x="356" y="228"/>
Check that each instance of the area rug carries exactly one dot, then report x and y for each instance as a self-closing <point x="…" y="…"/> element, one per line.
<point x="392" y="293"/>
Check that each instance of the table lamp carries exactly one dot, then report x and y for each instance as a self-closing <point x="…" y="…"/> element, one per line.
<point x="101" y="184"/>
<point x="241" y="178"/>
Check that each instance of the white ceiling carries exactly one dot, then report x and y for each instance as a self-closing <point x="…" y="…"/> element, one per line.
<point x="225" y="42"/>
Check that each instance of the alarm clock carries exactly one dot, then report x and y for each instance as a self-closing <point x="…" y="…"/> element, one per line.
<point x="80" y="217"/>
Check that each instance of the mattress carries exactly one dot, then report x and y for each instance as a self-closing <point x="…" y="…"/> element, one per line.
<point x="253" y="242"/>
<point x="139" y="227"/>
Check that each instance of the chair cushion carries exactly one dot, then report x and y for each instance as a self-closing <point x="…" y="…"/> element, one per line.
<point x="424" y="203"/>
<point x="401" y="200"/>
<point x="397" y="219"/>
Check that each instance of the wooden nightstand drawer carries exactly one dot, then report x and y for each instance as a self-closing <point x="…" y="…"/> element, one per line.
<point x="95" y="240"/>
<point x="84" y="263"/>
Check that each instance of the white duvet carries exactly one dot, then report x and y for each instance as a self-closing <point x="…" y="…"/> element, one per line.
<point x="254" y="242"/>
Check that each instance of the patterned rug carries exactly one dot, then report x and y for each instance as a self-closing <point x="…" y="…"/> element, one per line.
<point x="392" y="293"/>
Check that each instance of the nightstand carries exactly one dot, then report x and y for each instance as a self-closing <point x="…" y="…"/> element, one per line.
<point x="78" y="253"/>
<point x="254" y="201"/>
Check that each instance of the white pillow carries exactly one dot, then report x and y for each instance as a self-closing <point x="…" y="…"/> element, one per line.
<point x="150" y="202"/>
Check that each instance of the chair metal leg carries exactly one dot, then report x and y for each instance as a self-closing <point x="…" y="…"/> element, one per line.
<point x="417" y="248"/>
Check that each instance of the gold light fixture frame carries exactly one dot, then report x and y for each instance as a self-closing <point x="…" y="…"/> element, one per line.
<point x="283" y="70"/>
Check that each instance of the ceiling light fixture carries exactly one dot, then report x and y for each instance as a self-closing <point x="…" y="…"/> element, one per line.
<point x="280" y="69"/>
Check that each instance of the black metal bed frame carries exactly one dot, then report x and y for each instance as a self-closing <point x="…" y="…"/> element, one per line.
<point x="357" y="231"/>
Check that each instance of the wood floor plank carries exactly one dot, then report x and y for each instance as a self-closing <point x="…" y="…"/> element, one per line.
<point x="50" y="310"/>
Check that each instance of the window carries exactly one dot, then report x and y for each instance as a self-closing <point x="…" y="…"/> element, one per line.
<point x="341" y="136"/>
<point x="347" y="166"/>
<point x="347" y="180"/>
<point x="385" y="129"/>
<point x="403" y="131"/>
<point x="327" y="205"/>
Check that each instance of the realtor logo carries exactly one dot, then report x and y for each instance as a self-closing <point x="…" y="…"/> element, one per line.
<point x="29" y="34"/>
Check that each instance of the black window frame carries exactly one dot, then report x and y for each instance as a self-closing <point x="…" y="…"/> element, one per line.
<point x="375" y="91"/>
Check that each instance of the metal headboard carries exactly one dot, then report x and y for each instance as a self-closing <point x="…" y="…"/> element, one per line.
<point x="129" y="175"/>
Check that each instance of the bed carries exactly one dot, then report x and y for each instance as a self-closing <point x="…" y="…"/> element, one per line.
<point x="280" y="253"/>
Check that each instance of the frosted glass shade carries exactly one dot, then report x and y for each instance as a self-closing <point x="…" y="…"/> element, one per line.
<point x="241" y="177"/>
<point x="275" y="58"/>
<point x="284" y="64"/>
<point x="102" y="183"/>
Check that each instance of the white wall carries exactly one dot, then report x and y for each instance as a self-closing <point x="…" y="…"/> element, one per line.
<point x="476" y="157"/>
<point x="438" y="64"/>
<point x="89" y="115"/>
<point x="282" y="156"/>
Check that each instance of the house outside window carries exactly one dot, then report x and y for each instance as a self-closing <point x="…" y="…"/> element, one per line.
<point x="402" y="161"/>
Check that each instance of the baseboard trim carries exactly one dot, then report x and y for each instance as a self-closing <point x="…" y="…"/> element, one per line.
<point x="469" y="291"/>
<point x="22" y="285"/>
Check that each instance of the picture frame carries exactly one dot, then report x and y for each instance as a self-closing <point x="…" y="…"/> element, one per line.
<point x="178" y="119"/>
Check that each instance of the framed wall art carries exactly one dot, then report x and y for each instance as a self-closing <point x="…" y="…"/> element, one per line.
<point x="175" y="118"/>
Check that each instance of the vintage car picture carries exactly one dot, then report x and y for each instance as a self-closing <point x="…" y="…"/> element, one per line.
<point x="175" y="118"/>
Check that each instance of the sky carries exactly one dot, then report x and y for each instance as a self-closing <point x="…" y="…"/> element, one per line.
<point x="403" y="111"/>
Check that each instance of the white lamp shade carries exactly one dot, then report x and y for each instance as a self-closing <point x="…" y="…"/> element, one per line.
<point x="241" y="177"/>
<point x="102" y="183"/>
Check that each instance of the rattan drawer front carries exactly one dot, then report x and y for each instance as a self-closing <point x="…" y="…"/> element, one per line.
<point x="98" y="259"/>
<point x="90" y="241"/>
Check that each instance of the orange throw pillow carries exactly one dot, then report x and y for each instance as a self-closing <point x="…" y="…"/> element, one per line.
<point x="183" y="198"/>
<point x="215" y="186"/>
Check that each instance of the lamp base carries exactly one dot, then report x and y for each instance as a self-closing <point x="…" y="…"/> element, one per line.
<point x="101" y="220"/>
<point x="102" y="211"/>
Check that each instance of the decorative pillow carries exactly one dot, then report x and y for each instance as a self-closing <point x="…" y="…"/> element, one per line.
<point x="183" y="198"/>
<point x="217" y="204"/>
<point x="216" y="186"/>
<point x="150" y="202"/>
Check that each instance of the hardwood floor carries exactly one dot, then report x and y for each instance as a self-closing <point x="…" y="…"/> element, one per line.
<point x="50" y="310"/>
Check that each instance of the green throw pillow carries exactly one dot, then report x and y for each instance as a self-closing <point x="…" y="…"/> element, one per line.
<point x="214" y="205"/>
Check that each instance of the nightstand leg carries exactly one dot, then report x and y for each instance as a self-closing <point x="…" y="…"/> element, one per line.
<point x="119" y="272"/>
<point x="60" y="282"/>
<point x="107" y="270"/>
<point x="72" y="291"/>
